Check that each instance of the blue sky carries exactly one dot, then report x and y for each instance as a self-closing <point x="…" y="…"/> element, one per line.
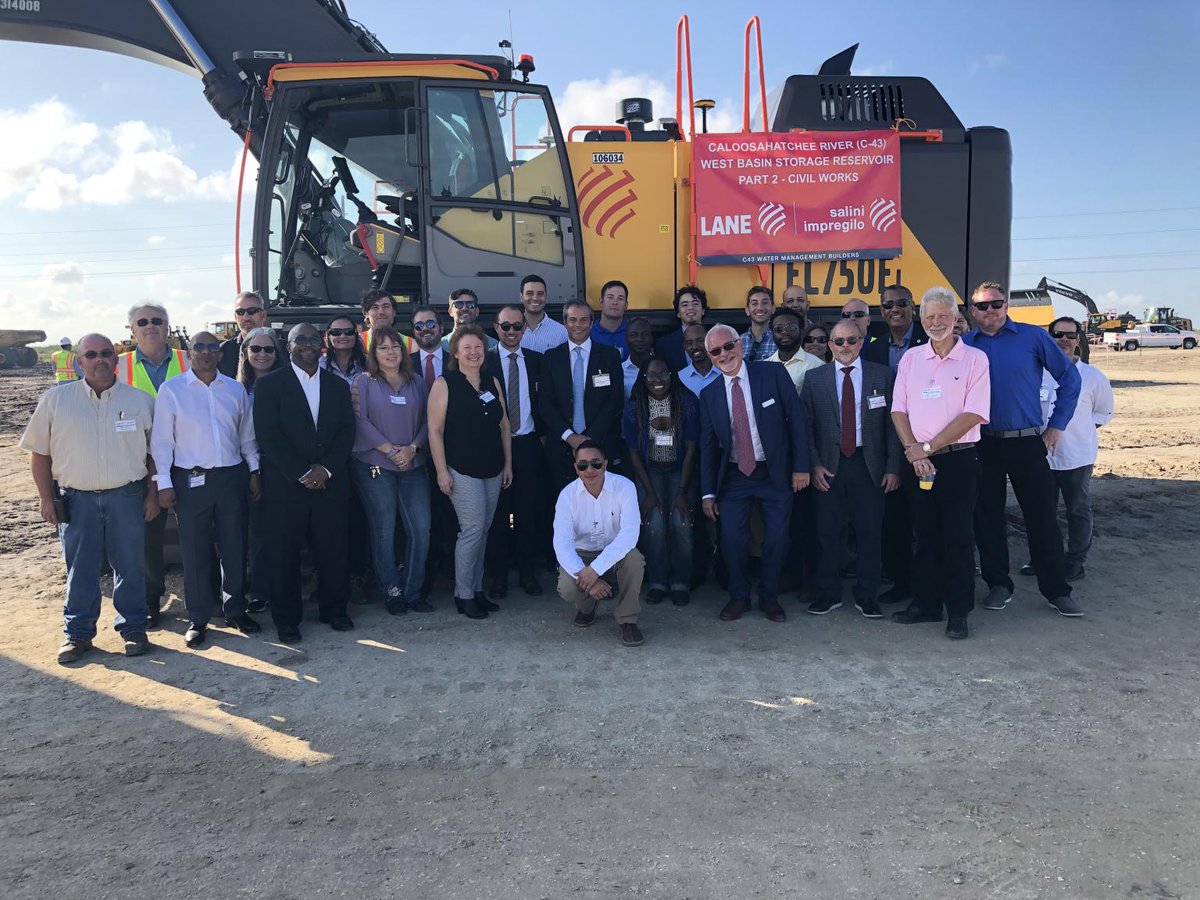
<point x="116" y="175"/>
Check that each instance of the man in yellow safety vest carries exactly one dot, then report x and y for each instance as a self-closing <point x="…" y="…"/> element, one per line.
<point x="379" y="311"/>
<point x="146" y="367"/>
<point x="65" y="366"/>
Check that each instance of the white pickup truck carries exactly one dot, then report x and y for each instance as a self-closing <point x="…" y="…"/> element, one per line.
<point x="1150" y="336"/>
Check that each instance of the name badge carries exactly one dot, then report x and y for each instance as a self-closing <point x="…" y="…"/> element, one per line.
<point x="664" y="440"/>
<point x="876" y="401"/>
<point x="767" y="403"/>
<point x="196" y="479"/>
<point x="601" y="380"/>
<point x="126" y="424"/>
<point x="397" y="400"/>
<point x="487" y="397"/>
<point x="1044" y="394"/>
<point x="932" y="393"/>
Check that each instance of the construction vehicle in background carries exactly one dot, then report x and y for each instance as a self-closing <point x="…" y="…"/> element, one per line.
<point x="1098" y="322"/>
<point x="15" y="352"/>
<point x="1165" y="315"/>
<point x="422" y="173"/>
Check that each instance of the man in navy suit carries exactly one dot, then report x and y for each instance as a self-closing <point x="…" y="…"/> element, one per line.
<point x="306" y="423"/>
<point x="691" y="304"/>
<point x="754" y="445"/>
<point x="581" y="395"/>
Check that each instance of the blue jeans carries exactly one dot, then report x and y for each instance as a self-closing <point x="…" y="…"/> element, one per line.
<point x="666" y="538"/>
<point x="104" y="522"/>
<point x="382" y="497"/>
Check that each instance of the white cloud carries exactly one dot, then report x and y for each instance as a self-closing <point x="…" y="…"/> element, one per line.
<point x="883" y="68"/>
<point x="594" y="101"/>
<point x="64" y="273"/>
<point x="51" y="160"/>
<point x="156" y="239"/>
<point x="1115" y="300"/>
<point x="989" y="61"/>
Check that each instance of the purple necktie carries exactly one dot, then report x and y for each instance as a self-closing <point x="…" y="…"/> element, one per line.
<point x="742" y="442"/>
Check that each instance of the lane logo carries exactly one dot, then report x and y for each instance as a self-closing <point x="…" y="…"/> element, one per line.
<point x="772" y="217"/>
<point x="883" y="214"/>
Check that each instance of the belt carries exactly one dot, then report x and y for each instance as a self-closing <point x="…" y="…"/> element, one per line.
<point x="950" y="448"/>
<point x="74" y="490"/>
<point x="202" y="469"/>
<point x="1020" y="432"/>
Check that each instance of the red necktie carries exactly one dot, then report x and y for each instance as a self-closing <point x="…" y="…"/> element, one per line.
<point x="429" y="376"/>
<point x="743" y="443"/>
<point x="849" y="418"/>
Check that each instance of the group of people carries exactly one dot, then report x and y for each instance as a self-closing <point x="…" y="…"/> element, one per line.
<point x="585" y="446"/>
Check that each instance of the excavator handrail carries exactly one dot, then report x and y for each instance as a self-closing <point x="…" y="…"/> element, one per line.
<point x="762" y="79"/>
<point x="683" y="53"/>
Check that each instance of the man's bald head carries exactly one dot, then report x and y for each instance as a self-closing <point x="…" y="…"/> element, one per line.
<point x="857" y="311"/>
<point x="100" y="371"/>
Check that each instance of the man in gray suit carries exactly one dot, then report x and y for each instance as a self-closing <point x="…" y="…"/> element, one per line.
<point x="856" y="459"/>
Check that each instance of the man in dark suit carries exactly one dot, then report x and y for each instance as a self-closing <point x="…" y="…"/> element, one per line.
<point x="856" y="460"/>
<point x="250" y="312"/>
<point x="518" y="370"/>
<point x="691" y="304"/>
<point x="902" y="333"/>
<point x="754" y="445"/>
<point x="582" y="395"/>
<point x="303" y="415"/>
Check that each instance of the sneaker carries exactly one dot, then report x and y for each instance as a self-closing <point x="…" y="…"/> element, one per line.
<point x="997" y="597"/>
<point x="195" y="635"/>
<point x="72" y="649"/>
<point x="956" y="628"/>
<point x="1066" y="606"/>
<point x="256" y="605"/>
<point x="1028" y="569"/>
<point x="136" y="643"/>
<point x="823" y="606"/>
<point x="631" y="635"/>
<point x="869" y="608"/>
<point x="584" y="620"/>
<point x="1074" y="573"/>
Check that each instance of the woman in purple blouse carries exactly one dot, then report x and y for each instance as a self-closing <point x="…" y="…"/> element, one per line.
<point x="388" y="467"/>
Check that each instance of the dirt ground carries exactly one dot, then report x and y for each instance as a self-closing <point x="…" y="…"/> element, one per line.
<point x="518" y="757"/>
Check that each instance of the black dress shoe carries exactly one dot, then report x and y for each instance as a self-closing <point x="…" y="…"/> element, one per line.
<point x="1028" y="569"/>
<point x="584" y="620"/>
<point x="243" y="623"/>
<point x="654" y="596"/>
<point x="256" y="605"/>
<point x="914" y="615"/>
<point x="734" y="610"/>
<point x="396" y="606"/>
<point x="956" y="628"/>
<point x="153" y="617"/>
<point x="420" y="606"/>
<point x="340" y="622"/>
<point x="482" y="600"/>
<point x="531" y="587"/>
<point x="498" y="588"/>
<point x="772" y="610"/>
<point x="470" y="608"/>
<point x="195" y="635"/>
<point x="681" y="598"/>
<point x="631" y="635"/>
<point x="289" y="634"/>
<point x="895" y="594"/>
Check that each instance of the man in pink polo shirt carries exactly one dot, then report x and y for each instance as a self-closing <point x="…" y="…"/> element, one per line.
<point x="941" y="397"/>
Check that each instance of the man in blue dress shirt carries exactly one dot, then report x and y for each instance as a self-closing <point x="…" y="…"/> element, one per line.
<point x="1014" y="447"/>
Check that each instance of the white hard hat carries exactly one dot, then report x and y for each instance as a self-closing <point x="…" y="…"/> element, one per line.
<point x="64" y="342"/>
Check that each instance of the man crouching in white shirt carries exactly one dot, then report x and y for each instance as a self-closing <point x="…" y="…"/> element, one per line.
<point x="596" y="527"/>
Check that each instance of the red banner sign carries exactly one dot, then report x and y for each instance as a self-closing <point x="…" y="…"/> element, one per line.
<point x="773" y="197"/>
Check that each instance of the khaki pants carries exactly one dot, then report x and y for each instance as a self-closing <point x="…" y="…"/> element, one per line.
<point x="628" y="589"/>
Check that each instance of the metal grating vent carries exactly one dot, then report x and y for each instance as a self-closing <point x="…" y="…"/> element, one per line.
<point x="840" y="102"/>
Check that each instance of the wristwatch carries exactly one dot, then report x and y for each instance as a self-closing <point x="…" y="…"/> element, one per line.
<point x="927" y="447"/>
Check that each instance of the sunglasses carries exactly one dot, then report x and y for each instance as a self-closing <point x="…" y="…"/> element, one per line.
<point x="340" y="332"/>
<point x="724" y="348"/>
<point x="103" y="354"/>
<point x="425" y="326"/>
<point x="842" y="342"/>
<point x="857" y="314"/>
<point x="786" y="329"/>
<point x="204" y="347"/>
<point x="142" y="323"/>
<point x="813" y="339"/>
<point x="464" y="304"/>
<point x="888" y="304"/>
<point x="1064" y="334"/>
<point x="583" y="464"/>
<point x="248" y="311"/>
<point x="661" y="376"/>
<point x="990" y="304"/>
<point x="510" y="326"/>
<point x="262" y="348"/>
<point x="306" y="342"/>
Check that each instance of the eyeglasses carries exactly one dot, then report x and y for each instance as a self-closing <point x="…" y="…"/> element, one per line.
<point x="262" y="348"/>
<point x="888" y="304"/>
<point x="814" y="339"/>
<point x="306" y="342"/>
<point x="510" y="326"/>
<point x="387" y="348"/>
<point x="340" y="332"/>
<point x="990" y="304"/>
<point x="203" y="347"/>
<point x="724" y="348"/>
<point x="425" y="326"/>
<point x="142" y="323"/>
<point x="103" y="354"/>
<point x="842" y="342"/>
<point x="464" y="304"/>
<point x="248" y="311"/>
<point x="786" y="329"/>
<point x="583" y="464"/>
<point x="1065" y="334"/>
<point x="856" y="314"/>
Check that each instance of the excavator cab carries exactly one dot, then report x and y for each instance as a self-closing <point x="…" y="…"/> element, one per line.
<point x="384" y="176"/>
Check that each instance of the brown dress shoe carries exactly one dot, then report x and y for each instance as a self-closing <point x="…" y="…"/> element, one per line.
<point x="734" y="610"/>
<point x="772" y="610"/>
<point x="631" y="635"/>
<point x="584" y="620"/>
